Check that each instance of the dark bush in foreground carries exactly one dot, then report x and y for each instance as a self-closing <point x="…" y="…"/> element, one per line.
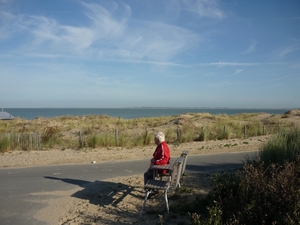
<point x="264" y="191"/>
<point x="254" y="195"/>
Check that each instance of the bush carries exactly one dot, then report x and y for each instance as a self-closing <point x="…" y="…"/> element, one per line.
<point x="254" y="195"/>
<point x="105" y="140"/>
<point x="4" y="144"/>
<point x="265" y="191"/>
<point x="283" y="146"/>
<point x="203" y="135"/>
<point x="222" y="133"/>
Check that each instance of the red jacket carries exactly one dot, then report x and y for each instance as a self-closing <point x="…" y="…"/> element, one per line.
<point x="162" y="154"/>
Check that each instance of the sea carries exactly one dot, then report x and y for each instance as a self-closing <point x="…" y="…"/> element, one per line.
<point x="128" y="113"/>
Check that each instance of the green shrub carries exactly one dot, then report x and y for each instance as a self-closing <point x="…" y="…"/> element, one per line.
<point x="203" y="135"/>
<point x="124" y="141"/>
<point x="170" y="135"/>
<point x="223" y="132"/>
<point x="4" y="144"/>
<point x="103" y="140"/>
<point x="147" y="138"/>
<point x="285" y="146"/>
<point x="93" y="141"/>
<point x="186" y="134"/>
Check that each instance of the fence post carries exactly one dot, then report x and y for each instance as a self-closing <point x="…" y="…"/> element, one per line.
<point x="80" y="139"/>
<point x="117" y="137"/>
<point x="39" y="140"/>
<point x="264" y="130"/>
<point x="30" y="141"/>
<point x="178" y="133"/>
<point x="245" y="131"/>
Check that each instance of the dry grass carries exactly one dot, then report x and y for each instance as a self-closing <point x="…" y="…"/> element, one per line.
<point x="96" y="131"/>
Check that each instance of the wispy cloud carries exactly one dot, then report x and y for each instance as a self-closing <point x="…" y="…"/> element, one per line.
<point x="279" y="78"/>
<point x="251" y="48"/>
<point x="8" y="24"/>
<point x="229" y="64"/>
<point x="109" y="35"/>
<point x="282" y="53"/>
<point x="158" y="63"/>
<point x="205" y="8"/>
<point x="237" y="71"/>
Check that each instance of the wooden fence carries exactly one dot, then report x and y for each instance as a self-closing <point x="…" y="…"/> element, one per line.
<point x="23" y="141"/>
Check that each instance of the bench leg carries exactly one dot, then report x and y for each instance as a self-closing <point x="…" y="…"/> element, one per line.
<point x="145" y="199"/>
<point x="166" y="200"/>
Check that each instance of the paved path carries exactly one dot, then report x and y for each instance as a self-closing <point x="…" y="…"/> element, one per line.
<point x="18" y="206"/>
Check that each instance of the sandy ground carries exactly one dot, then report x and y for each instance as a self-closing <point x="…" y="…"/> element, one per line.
<point x="119" y="200"/>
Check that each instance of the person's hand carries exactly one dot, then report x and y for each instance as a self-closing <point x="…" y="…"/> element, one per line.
<point x="152" y="161"/>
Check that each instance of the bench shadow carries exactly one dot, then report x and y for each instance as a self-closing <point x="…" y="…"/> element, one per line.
<point x="109" y="199"/>
<point x="212" y="167"/>
<point x="100" y="193"/>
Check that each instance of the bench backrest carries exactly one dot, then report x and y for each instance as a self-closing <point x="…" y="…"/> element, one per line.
<point x="184" y="155"/>
<point x="176" y="173"/>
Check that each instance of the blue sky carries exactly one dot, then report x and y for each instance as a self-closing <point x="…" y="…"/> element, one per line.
<point x="173" y="53"/>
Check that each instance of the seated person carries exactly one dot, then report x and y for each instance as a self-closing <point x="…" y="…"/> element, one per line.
<point x="161" y="155"/>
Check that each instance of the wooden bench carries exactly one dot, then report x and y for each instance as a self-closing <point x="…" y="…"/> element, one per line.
<point x="165" y="185"/>
<point x="184" y="154"/>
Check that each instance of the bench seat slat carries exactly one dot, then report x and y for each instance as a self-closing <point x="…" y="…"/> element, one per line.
<point x="157" y="184"/>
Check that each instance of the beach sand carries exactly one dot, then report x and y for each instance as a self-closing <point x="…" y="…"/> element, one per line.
<point x="119" y="200"/>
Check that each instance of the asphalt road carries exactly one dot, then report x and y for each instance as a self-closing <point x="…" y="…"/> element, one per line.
<point x="18" y="206"/>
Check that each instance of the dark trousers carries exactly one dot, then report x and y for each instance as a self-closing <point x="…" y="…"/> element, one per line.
<point x="148" y="175"/>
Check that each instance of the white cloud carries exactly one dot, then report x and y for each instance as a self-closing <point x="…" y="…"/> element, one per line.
<point x="8" y="24"/>
<point x="229" y="64"/>
<point x="282" y="53"/>
<point x="110" y="34"/>
<point x="157" y="41"/>
<point x="237" y="71"/>
<point x="279" y="78"/>
<point x="158" y="63"/>
<point x="205" y="8"/>
<point x="251" y="48"/>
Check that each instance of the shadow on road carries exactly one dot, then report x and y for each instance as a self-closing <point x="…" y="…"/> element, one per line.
<point x="108" y="198"/>
<point x="99" y="192"/>
<point x="212" y="167"/>
<point x="81" y="183"/>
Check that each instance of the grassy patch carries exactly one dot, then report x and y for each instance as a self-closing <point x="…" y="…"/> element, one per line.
<point x="4" y="144"/>
<point x="94" y="131"/>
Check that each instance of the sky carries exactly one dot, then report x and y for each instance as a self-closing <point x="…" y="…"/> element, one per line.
<point x="134" y="53"/>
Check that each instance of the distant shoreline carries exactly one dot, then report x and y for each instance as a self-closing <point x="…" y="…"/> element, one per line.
<point x="130" y="113"/>
<point x="153" y="107"/>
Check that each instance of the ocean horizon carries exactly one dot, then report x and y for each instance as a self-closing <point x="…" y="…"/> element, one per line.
<point x="131" y="113"/>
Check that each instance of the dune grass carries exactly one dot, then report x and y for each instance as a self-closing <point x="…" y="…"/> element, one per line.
<point x="4" y="144"/>
<point x="284" y="146"/>
<point x="104" y="131"/>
